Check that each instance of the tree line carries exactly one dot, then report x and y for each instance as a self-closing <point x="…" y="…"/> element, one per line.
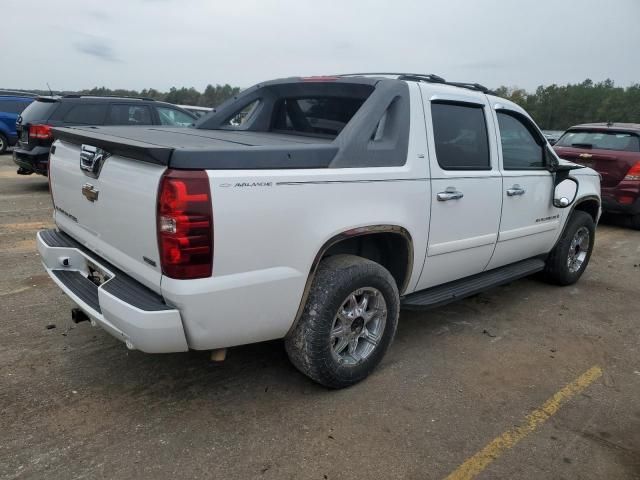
<point x="557" y="107"/>
<point x="554" y="107"/>
<point x="212" y="96"/>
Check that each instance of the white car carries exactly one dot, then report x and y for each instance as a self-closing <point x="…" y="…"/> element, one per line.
<point x="333" y="204"/>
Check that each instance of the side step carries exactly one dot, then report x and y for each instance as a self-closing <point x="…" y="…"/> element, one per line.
<point x="458" y="289"/>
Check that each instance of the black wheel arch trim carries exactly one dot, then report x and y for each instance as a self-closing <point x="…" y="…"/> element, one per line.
<point x="581" y="200"/>
<point x="351" y="233"/>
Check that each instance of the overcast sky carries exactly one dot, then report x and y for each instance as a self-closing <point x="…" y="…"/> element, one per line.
<point x="135" y="44"/>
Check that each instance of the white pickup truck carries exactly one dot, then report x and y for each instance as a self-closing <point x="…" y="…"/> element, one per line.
<point x="311" y="209"/>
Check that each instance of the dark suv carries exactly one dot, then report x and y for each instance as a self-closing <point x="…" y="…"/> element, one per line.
<point x="34" y="125"/>
<point x="613" y="150"/>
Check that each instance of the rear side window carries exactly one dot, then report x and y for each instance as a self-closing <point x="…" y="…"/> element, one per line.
<point x="86" y="114"/>
<point x="38" y="111"/>
<point x="621" y="141"/>
<point x="460" y="134"/>
<point x="520" y="148"/>
<point x="243" y="115"/>
<point x="325" y="116"/>
<point x="122" y="114"/>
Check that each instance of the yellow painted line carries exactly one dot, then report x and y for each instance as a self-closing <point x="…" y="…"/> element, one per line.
<point x="476" y="464"/>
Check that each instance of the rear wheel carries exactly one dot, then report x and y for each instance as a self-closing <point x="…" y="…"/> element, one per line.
<point x="570" y="257"/>
<point x="4" y="144"/>
<point x="348" y="322"/>
<point x="634" y="222"/>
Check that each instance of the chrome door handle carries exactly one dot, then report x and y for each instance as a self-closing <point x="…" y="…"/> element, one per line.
<point x="449" y="194"/>
<point x="515" y="191"/>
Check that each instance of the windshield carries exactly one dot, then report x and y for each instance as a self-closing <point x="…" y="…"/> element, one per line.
<point x="621" y="141"/>
<point x="38" y="111"/>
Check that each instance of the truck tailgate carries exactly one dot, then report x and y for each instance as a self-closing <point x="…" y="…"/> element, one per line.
<point x="112" y="213"/>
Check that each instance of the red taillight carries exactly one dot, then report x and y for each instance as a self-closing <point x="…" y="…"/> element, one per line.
<point x="634" y="172"/>
<point x="40" y="132"/>
<point x="185" y="224"/>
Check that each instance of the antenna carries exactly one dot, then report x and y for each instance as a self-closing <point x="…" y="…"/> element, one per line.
<point x="49" y="89"/>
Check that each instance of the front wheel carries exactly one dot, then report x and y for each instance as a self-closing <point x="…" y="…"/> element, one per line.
<point x="570" y="257"/>
<point x="348" y="322"/>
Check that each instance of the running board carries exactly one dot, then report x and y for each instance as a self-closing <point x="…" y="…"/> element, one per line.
<point x="458" y="289"/>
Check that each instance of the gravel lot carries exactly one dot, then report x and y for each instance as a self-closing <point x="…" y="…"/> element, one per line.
<point x="74" y="403"/>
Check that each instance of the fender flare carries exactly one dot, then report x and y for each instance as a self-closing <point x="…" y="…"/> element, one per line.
<point x="579" y="201"/>
<point x="351" y="233"/>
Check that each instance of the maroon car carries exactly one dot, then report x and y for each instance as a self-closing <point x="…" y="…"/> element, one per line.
<point x="613" y="150"/>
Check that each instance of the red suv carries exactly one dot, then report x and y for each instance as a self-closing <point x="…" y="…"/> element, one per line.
<point x="613" y="150"/>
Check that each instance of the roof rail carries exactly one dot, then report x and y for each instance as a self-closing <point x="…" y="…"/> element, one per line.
<point x="471" y="86"/>
<point x="426" y="77"/>
<point x="81" y="95"/>
<point x="18" y="93"/>
<point x="429" y="77"/>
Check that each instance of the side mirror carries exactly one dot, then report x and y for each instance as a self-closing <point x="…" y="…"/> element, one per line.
<point x="565" y="193"/>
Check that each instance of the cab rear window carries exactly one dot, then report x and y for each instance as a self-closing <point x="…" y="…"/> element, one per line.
<point x="620" y="141"/>
<point x="325" y="116"/>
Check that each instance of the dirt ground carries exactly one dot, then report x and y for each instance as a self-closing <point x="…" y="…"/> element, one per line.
<point x="75" y="403"/>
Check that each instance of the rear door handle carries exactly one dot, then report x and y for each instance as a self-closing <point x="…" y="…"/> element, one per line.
<point x="449" y="194"/>
<point x="516" y="190"/>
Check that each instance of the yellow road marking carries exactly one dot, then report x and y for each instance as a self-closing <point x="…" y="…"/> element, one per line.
<point x="476" y="464"/>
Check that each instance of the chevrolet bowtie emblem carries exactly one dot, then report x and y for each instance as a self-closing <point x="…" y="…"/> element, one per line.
<point x="585" y="155"/>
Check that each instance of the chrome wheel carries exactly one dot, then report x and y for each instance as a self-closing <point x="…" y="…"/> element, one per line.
<point x="359" y="325"/>
<point x="578" y="249"/>
<point x="2" y="144"/>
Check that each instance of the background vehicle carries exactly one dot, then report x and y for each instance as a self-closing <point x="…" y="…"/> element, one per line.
<point x="612" y="150"/>
<point x="11" y="106"/>
<point x="197" y="111"/>
<point x="34" y="125"/>
<point x="552" y="136"/>
<point x="331" y="203"/>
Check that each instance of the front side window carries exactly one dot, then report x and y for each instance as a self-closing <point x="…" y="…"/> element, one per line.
<point x="620" y="141"/>
<point x="175" y="118"/>
<point x="460" y="133"/>
<point x="521" y="150"/>
<point x="123" y="114"/>
<point x="86" y="114"/>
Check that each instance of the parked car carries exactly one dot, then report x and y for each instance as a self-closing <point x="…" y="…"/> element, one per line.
<point x="197" y="111"/>
<point x="612" y="150"/>
<point x="34" y="126"/>
<point x="552" y="136"/>
<point x="336" y="201"/>
<point x="11" y="106"/>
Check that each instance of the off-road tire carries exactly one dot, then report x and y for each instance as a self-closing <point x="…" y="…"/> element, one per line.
<point x="557" y="269"/>
<point x="309" y="344"/>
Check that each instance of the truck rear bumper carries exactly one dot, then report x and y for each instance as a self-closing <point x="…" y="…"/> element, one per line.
<point x="122" y="306"/>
